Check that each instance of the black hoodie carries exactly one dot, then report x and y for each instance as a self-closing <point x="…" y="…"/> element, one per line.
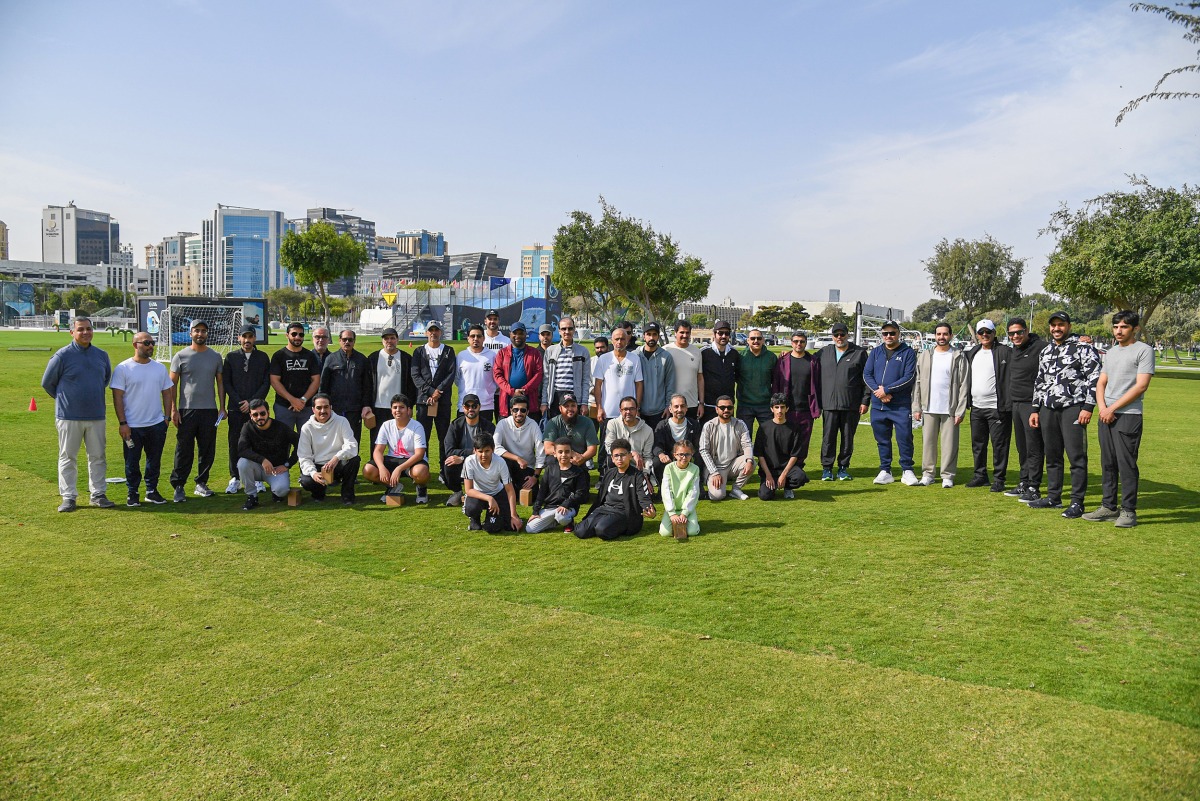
<point x="1023" y="368"/>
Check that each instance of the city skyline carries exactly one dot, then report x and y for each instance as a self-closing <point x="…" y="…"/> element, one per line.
<point x="810" y="146"/>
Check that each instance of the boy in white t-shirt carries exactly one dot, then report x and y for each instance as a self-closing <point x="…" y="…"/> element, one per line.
<point x="400" y="451"/>
<point x="488" y="490"/>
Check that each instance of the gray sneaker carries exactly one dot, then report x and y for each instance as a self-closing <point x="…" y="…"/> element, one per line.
<point x="102" y="502"/>
<point x="202" y="491"/>
<point x="67" y="505"/>
<point x="455" y="499"/>
<point x="788" y="495"/>
<point x="180" y="495"/>
<point x="1102" y="513"/>
<point x="1126" y="519"/>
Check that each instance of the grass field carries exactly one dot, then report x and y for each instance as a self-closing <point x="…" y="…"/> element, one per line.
<point x="858" y="642"/>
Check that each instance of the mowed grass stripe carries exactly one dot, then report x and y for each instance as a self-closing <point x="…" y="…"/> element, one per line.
<point x="435" y="694"/>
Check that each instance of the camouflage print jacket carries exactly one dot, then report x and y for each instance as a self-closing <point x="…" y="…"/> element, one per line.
<point x="1067" y="375"/>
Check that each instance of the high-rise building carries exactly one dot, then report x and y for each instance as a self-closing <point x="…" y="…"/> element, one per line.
<point x="421" y="243"/>
<point x="476" y="266"/>
<point x="537" y="261"/>
<point x="360" y="230"/>
<point x="3" y="241"/>
<point x="71" y="235"/>
<point x="240" y="253"/>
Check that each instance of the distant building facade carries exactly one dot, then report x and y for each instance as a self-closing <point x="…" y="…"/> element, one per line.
<point x="60" y="277"/>
<point x="421" y="243"/>
<point x="71" y="235"/>
<point x="3" y="241"/>
<point x="240" y="253"/>
<point x="537" y="261"/>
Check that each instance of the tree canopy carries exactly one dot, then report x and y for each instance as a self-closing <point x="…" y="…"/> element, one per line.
<point x="789" y="318"/>
<point x="320" y="255"/>
<point x="1127" y="250"/>
<point x="624" y="260"/>
<point x="1191" y="25"/>
<point x="932" y="310"/>
<point x="285" y="301"/>
<point x="975" y="275"/>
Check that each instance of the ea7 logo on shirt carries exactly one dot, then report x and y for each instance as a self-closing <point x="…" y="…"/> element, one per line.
<point x="295" y="364"/>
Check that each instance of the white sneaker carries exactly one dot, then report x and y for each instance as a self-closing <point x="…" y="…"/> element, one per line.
<point x="925" y="481"/>
<point x="884" y="477"/>
<point x="202" y="491"/>
<point x="235" y="485"/>
<point x="909" y="479"/>
<point x="737" y="494"/>
<point x="260" y="486"/>
<point x="947" y="483"/>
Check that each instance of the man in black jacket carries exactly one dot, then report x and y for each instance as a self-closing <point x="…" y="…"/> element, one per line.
<point x="1022" y="372"/>
<point x="246" y="375"/>
<point x="266" y="452"/>
<point x="675" y="427"/>
<point x="346" y="379"/>
<point x="844" y="399"/>
<point x="434" y="367"/>
<point x="991" y="408"/>
<point x="460" y="443"/>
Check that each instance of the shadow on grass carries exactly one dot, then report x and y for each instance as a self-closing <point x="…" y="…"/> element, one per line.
<point x="1167" y="503"/>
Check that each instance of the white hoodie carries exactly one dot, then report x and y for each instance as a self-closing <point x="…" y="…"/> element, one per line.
<point x="320" y="442"/>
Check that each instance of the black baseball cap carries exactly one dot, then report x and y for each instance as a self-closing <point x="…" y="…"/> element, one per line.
<point x="720" y="325"/>
<point x="651" y="326"/>
<point x="1060" y="315"/>
<point x="839" y="327"/>
<point x="491" y="313"/>
<point x="246" y="329"/>
<point x="388" y="332"/>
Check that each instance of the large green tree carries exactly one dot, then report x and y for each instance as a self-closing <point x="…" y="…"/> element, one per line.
<point x="1191" y="25"/>
<point x="285" y="301"/>
<point x="1177" y="321"/>
<point x="625" y="259"/>
<point x="789" y="318"/>
<point x="320" y="255"/>
<point x="975" y="275"/>
<point x="1127" y="250"/>
<point x="932" y="310"/>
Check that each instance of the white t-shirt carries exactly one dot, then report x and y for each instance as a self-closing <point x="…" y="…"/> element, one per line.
<point x="143" y="385"/>
<point x="619" y="377"/>
<point x="433" y="355"/>
<point x="688" y="367"/>
<point x="490" y="481"/>
<point x="495" y="343"/>
<point x="475" y="376"/>
<point x="401" y="443"/>
<point x="939" y="382"/>
<point x="983" y="380"/>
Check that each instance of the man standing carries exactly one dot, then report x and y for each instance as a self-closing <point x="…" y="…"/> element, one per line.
<point x="518" y="370"/>
<point x="756" y="371"/>
<point x="798" y="376"/>
<point x="196" y="372"/>
<point x="391" y="375"/>
<point x="719" y="362"/>
<point x="460" y="444"/>
<point x="328" y="452"/>
<point x="617" y="375"/>
<point x="142" y="397"/>
<point x="493" y="340"/>
<point x="433" y="370"/>
<point x="246" y="376"/>
<point x="76" y="377"/>
<point x="565" y="369"/>
<point x="689" y="368"/>
<point x="991" y="409"/>
<point x="1064" y="396"/>
<point x="579" y="430"/>
<point x="1124" y="378"/>
<point x="519" y="442"/>
<point x="600" y="347"/>
<point x="295" y="377"/>
<point x="727" y="452"/>
<point x="545" y="337"/>
<point x="1022" y="372"/>
<point x="890" y="372"/>
<point x="346" y="379"/>
<point x="940" y="400"/>
<point x="321" y="337"/>
<point x="844" y="399"/>
<point x="266" y="453"/>
<point x="475" y="372"/>
<point x="658" y="376"/>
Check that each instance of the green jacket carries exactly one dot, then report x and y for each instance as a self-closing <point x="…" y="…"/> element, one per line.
<point x="754" y="378"/>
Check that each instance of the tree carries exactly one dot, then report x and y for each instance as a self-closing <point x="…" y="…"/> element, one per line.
<point x="833" y="314"/>
<point x="628" y="261"/>
<point x="1177" y="321"/>
<point x="1191" y="24"/>
<point x="1127" y="250"/>
<point x="976" y="275"/>
<point x="320" y="255"/>
<point x="790" y="318"/>
<point x="931" y="310"/>
<point x="284" y="301"/>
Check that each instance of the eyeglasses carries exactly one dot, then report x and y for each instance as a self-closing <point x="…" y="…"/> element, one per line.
<point x="839" y="334"/>
<point x="754" y="339"/>
<point x="347" y="339"/>
<point x="1016" y="332"/>
<point x="889" y="333"/>
<point x="319" y="336"/>
<point x="724" y="408"/>
<point x="300" y="334"/>
<point x="721" y="333"/>
<point x="145" y="342"/>
<point x="519" y="410"/>
<point x="258" y="415"/>
<point x="628" y="409"/>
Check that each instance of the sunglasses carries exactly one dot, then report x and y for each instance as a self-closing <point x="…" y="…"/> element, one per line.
<point x="145" y="342"/>
<point x="889" y="333"/>
<point x="519" y="410"/>
<point x="724" y="408"/>
<point x="1016" y="332"/>
<point x="258" y="415"/>
<point x="347" y="339"/>
<point x="985" y="332"/>
<point x="754" y="339"/>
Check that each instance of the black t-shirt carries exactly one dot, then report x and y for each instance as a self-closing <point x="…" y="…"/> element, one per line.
<point x="776" y="444"/>
<point x="801" y="380"/>
<point x="295" y="371"/>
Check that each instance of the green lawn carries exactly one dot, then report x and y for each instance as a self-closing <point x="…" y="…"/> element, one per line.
<point x="859" y="642"/>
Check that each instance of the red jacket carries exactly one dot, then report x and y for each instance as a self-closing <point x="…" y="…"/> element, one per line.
<point x="533" y="376"/>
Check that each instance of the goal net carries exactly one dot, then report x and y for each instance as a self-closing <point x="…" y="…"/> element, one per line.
<point x="175" y="326"/>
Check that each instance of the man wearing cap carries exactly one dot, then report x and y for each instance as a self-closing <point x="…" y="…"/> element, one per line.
<point x="658" y="376"/>
<point x="689" y="368"/>
<point x="295" y="377"/>
<point x="391" y="375"/>
<point x="756" y="371"/>
<point x="460" y="443"/>
<point x="493" y="340"/>
<point x="568" y="423"/>
<point x="890" y="372"/>
<point x="1064" y="395"/>
<point x="545" y="339"/>
<point x="991" y="408"/>
<point x="566" y="368"/>
<point x="518" y="370"/>
<point x="1022" y="372"/>
<point x="196" y="372"/>
<point x="346" y="379"/>
<point x="719" y="363"/>
<point x="434" y="367"/>
<point x="475" y="372"/>
<point x="844" y="400"/>
<point x="940" y="403"/>
<point x="246" y="375"/>
<point x="798" y="375"/>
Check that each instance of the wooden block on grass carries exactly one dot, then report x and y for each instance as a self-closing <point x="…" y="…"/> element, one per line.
<point x="294" y="496"/>
<point x="526" y="498"/>
<point x="679" y="530"/>
<point x="394" y="499"/>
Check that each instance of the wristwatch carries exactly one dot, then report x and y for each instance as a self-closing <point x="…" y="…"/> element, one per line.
<point x="304" y="399"/>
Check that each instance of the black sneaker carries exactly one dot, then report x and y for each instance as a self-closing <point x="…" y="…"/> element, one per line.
<point x="1029" y="495"/>
<point x="133" y="500"/>
<point x="1074" y="511"/>
<point x="278" y="498"/>
<point x="1046" y="503"/>
<point x="474" y="525"/>
<point x="977" y="482"/>
<point x="997" y="486"/>
<point x="180" y="495"/>
<point x="251" y="502"/>
<point x="153" y="497"/>
<point x="1015" y="492"/>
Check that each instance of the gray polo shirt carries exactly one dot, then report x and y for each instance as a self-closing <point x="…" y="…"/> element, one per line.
<point x="198" y="371"/>
<point x="1122" y="365"/>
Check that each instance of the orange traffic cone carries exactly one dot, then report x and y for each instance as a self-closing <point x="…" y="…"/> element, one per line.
<point x="33" y="404"/>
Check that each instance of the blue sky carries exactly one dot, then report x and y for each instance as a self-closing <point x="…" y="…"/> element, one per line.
<point x="794" y="147"/>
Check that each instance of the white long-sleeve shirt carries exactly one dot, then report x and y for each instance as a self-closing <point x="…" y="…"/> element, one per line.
<point x="525" y="441"/>
<point x="320" y="442"/>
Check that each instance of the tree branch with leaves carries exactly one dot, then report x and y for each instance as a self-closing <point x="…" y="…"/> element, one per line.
<point x="1191" y="24"/>
<point x="320" y="255"/>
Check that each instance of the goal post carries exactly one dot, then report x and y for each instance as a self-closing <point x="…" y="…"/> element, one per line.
<point x="175" y="325"/>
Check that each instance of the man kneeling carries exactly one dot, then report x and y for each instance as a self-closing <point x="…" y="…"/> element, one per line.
<point x="328" y="452"/>
<point x="266" y="452"/>
<point x="563" y="490"/>
<point x="488" y="488"/>
<point x="622" y="501"/>
<point x="399" y="451"/>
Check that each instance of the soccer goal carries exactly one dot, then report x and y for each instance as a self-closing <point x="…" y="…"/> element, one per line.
<point x="175" y="326"/>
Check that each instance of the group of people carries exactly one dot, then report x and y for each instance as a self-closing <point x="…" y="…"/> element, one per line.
<point x="674" y="423"/>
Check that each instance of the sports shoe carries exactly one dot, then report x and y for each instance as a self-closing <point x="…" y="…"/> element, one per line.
<point x="1045" y="503"/>
<point x="947" y="483"/>
<point x="474" y="525"/>
<point x="153" y="497"/>
<point x="235" y="485"/>
<point x="925" y="481"/>
<point x="67" y="505"/>
<point x="347" y="501"/>
<point x="102" y="502"/>
<point x="998" y="486"/>
<point x="977" y="481"/>
<point x="251" y="502"/>
<point x="789" y="495"/>
<point x="1029" y="495"/>
<point x="422" y="496"/>
<point x="133" y="500"/>
<point x="1127" y="519"/>
<point x="1016" y="491"/>
<point x="180" y="495"/>
<point x="827" y="475"/>
<point x="202" y="491"/>
<point x="1102" y="513"/>
<point x="568" y="529"/>
<point x="737" y="494"/>
<point x="909" y="479"/>
<point x="278" y="498"/>
<point x="1074" y="511"/>
<point x="455" y="499"/>
<point x="844" y="475"/>
<point x="884" y="477"/>
<point x="261" y="487"/>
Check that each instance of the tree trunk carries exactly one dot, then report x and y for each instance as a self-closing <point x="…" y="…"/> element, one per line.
<point x="324" y="301"/>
